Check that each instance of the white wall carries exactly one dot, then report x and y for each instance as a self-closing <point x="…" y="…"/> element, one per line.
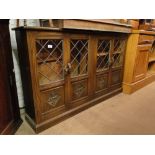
<point x="30" y="22"/>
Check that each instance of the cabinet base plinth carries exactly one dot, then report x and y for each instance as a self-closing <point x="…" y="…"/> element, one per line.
<point x="52" y="121"/>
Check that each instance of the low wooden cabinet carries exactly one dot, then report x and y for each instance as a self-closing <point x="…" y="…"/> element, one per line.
<point x="136" y="71"/>
<point x="66" y="71"/>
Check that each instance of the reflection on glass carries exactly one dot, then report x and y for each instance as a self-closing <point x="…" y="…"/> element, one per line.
<point x="50" y="60"/>
<point x="117" y="57"/>
<point x="79" y="57"/>
<point x="103" y="55"/>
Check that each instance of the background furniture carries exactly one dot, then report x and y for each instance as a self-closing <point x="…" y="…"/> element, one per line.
<point x="147" y="24"/>
<point x="9" y="109"/>
<point x="65" y="71"/>
<point x="111" y="25"/>
<point x="139" y="61"/>
<point x="134" y="23"/>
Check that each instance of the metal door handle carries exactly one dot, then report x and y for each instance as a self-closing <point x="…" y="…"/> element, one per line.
<point x="67" y="68"/>
<point x="111" y="62"/>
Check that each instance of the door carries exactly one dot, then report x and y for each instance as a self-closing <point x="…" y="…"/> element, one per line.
<point x="78" y="76"/>
<point x="9" y="108"/>
<point x="102" y="65"/>
<point x="109" y="64"/>
<point x="117" y="62"/>
<point x="141" y="61"/>
<point x="51" y="62"/>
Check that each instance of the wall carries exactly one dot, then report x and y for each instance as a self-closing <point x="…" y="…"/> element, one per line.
<point x="30" y="22"/>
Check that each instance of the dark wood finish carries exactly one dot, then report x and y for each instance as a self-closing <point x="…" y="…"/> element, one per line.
<point x="9" y="109"/>
<point x="68" y="77"/>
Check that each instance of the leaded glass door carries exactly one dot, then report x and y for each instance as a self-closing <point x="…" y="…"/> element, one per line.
<point x="117" y="56"/>
<point x="79" y="53"/>
<point x="50" y="61"/>
<point x="102" y="64"/>
<point x="51" y="73"/>
<point x="109" y="63"/>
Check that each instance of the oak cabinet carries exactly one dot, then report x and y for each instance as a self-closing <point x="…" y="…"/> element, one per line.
<point x="137" y="61"/>
<point x="64" y="72"/>
<point x="141" y="62"/>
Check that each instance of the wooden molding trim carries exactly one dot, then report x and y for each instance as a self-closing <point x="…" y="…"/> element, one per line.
<point x="12" y="127"/>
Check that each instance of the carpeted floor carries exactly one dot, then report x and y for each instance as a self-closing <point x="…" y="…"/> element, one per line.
<point x="121" y="114"/>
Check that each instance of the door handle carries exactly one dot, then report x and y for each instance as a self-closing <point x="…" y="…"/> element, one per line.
<point x="68" y="68"/>
<point x="111" y="62"/>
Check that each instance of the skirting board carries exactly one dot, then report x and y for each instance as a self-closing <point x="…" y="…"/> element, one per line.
<point x="12" y="127"/>
<point x="131" y="88"/>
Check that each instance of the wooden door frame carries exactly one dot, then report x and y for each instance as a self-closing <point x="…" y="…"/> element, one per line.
<point x="78" y="36"/>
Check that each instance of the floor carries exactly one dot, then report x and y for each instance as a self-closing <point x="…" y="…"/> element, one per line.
<point x="121" y="114"/>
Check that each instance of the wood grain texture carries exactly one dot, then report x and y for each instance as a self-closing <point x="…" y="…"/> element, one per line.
<point x="131" y="88"/>
<point x="141" y="62"/>
<point x="136" y="60"/>
<point x="76" y="92"/>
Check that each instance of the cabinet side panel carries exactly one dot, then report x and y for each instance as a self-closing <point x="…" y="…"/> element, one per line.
<point x="130" y="57"/>
<point x="25" y="72"/>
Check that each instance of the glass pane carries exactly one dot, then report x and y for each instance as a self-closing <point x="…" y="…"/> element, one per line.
<point x="103" y="55"/>
<point x="50" y="60"/>
<point x="79" y="57"/>
<point x="117" y="57"/>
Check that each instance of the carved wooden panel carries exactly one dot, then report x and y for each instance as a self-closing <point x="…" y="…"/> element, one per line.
<point x="52" y="99"/>
<point x="116" y="77"/>
<point x="79" y="89"/>
<point x="49" y="55"/>
<point x="101" y="82"/>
